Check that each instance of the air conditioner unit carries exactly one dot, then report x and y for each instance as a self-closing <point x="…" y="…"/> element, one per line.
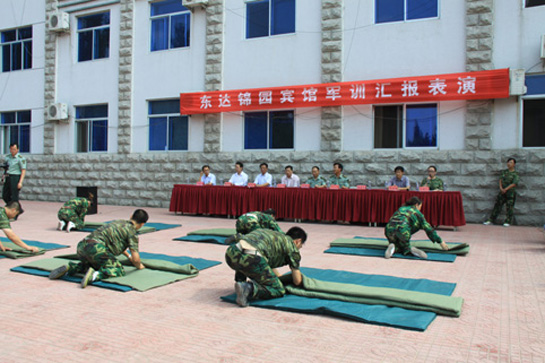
<point x="58" y="112"/>
<point x="192" y="4"/>
<point x="542" y="52"/>
<point x="59" y="21"/>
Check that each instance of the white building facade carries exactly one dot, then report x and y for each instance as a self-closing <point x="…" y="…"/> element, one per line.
<point x="119" y="66"/>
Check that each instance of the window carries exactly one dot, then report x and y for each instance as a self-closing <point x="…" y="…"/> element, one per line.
<point x="170" y="22"/>
<point x="533" y="123"/>
<point x="92" y="128"/>
<point x="167" y="129"/>
<point x="268" y="130"/>
<point x="530" y="3"/>
<point x="93" y="37"/>
<point x="417" y="129"/>
<point x="387" y="11"/>
<point x="16" y="129"/>
<point x="17" y="49"/>
<point x="270" y="17"/>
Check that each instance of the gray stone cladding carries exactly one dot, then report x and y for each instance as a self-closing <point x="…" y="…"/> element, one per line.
<point x="479" y="45"/>
<point x="50" y="74"/>
<point x="146" y="180"/>
<point x="332" y="71"/>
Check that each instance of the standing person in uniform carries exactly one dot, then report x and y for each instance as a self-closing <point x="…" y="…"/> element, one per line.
<point x="72" y="214"/>
<point x="432" y="181"/>
<point x="97" y="252"/>
<point x="405" y="222"/>
<point x="508" y="194"/>
<point x="15" y="174"/>
<point x="11" y="211"/>
<point x="258" y="255"/>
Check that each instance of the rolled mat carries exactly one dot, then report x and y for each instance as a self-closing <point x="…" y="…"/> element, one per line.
<point x="382" y="243"/>
<point x="373" y="252"/>
<point x="18" y="252"/>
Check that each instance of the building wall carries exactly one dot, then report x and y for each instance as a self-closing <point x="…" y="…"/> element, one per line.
<point x="334" y="41"/>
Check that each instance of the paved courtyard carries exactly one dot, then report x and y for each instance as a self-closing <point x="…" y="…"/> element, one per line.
<point x="502" y="281"/>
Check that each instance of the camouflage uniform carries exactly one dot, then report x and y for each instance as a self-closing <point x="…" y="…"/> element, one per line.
<point x="4" y="220"/>
<point x="276" y="250"/>
<point x="509" y="198"/>
<point x="319" y="181"/>
<point x="100" y="248"/>
<point x="341" y="181"/>
<point x="405" y="222"/>
<point x="433" y="184"/>
<point x="251" y="221"/>
<point x="74" y="211"/>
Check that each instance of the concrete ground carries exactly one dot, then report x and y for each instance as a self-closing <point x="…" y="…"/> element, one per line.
<point x="502" y="281"/>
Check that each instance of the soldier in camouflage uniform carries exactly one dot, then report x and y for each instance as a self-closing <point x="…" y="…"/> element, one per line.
<point x="316" y="181"/>
<point x="338" y="178"/>
<point x="251" y="221"/>
<point x="73" y="213"/>
<point x="258" y="255"/>
<point x="11" y="211"/>
<point x="405" y="222"/>
<point x="508" y="194"/>
<point x="97" y="252"/>
<point x="432" y="181"/>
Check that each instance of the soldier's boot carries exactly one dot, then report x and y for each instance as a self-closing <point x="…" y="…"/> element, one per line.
<point x="61" y="225"/>
<point x="243" y="290"/>
<point x="390" y="250"/>
<point x="70" y="226"/>
<point x="58" y="272"/>
<point x="234" y="238"/>
<point x="89" y="278"/>
<point x="419" y="253"/>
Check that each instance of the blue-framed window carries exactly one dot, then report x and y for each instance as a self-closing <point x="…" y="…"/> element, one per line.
<point x="167" y="129"/>
<point x="92" y="128"/>
<point x="94" y="36"/>
<point x="170" y="25"/>
<point x="531" y="3"/>
<point x="387" y="11"/>
<point x="269" y="17"/>
<point x="268" y="130"/>
<point x="17" y="49"/>
<point x="398" y="126"/>
<point x="533" y="122"/>
<point x="16" y="129"/>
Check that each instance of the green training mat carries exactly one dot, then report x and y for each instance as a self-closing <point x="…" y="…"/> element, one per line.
<point x="382" y="243"/>
<point x="224" y="232"/>
<point x="157" y="272"/>
<point x="92" y="226"/>
<point x="413" y="300"/>
<point x="18" y="252"/>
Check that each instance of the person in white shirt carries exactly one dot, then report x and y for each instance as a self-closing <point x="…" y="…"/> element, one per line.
<point x="264" y="179"/>
<point x="239" y="178"/>
<point x="290" y="179"/>
<point x="206" y="177"/>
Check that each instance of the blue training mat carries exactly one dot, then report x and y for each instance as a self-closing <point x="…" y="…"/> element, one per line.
<point x="199" y="263"/>
<point x="44" y="245"/>
<point x="203" y="238"/>
<point x="374" y="314"/>
<point x="373" y="252"/>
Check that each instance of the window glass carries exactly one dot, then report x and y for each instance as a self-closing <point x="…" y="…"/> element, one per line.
<point x="419" y="9"/>
<point x="282" y="16"/>
<point x="257" y="19"/>
<point x="170" y="25"/>
<point x="264" y="18"/>
<point x="533" y="124"/>
<point x="166" y="7"/>
<point x="421" y="126"/>
<point x="388" y="128"/>
<point x="530" y="3"/>
<point x="269" y="130"/>
<point x="167" y="129"/>
<point x="159" y="31"/>
<point x="16" y="129"/>
<point x="158" y="133"/>
<point x="92" y="128"/>
<point x="399" y="10"/>
<point x="389" y="10"/>
<point x="255" y="130"/>
<point x="178" y="133"/>
<point x="281" y="130"/>
<point x="93" y="37"/>
<point x="16" y="49"/>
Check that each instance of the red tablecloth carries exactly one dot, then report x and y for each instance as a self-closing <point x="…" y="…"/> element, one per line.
<point x="375" y="205"/>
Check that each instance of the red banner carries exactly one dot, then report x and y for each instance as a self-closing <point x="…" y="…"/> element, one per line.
<point x="435" y="88"/>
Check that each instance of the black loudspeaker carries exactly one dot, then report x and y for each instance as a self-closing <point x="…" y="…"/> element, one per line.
<point x="90" y="193"/>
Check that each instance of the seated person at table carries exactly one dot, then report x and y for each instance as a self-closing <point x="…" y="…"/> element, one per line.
<point x="72" y="213"/>
<point x="316" y="180"/>
<point x="11" y="211"/>
<point x="97" y="252"/>
<point x="400" y="180"/>
<point x="264" y="179"/>
<point x="432" y="181"/>
<point x="207" y="177"/>
<point x="405" y="222"/>
<point x="257" y="257"/>
<point x="239" y="178"/>
<point x="290" y="179"/>
<point x="338" y="178"/>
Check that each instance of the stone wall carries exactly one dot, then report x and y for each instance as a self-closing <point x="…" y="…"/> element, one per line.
<point x="147" y="179"/>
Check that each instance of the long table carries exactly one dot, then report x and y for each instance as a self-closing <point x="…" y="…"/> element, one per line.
<point x="353" y="205"/>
